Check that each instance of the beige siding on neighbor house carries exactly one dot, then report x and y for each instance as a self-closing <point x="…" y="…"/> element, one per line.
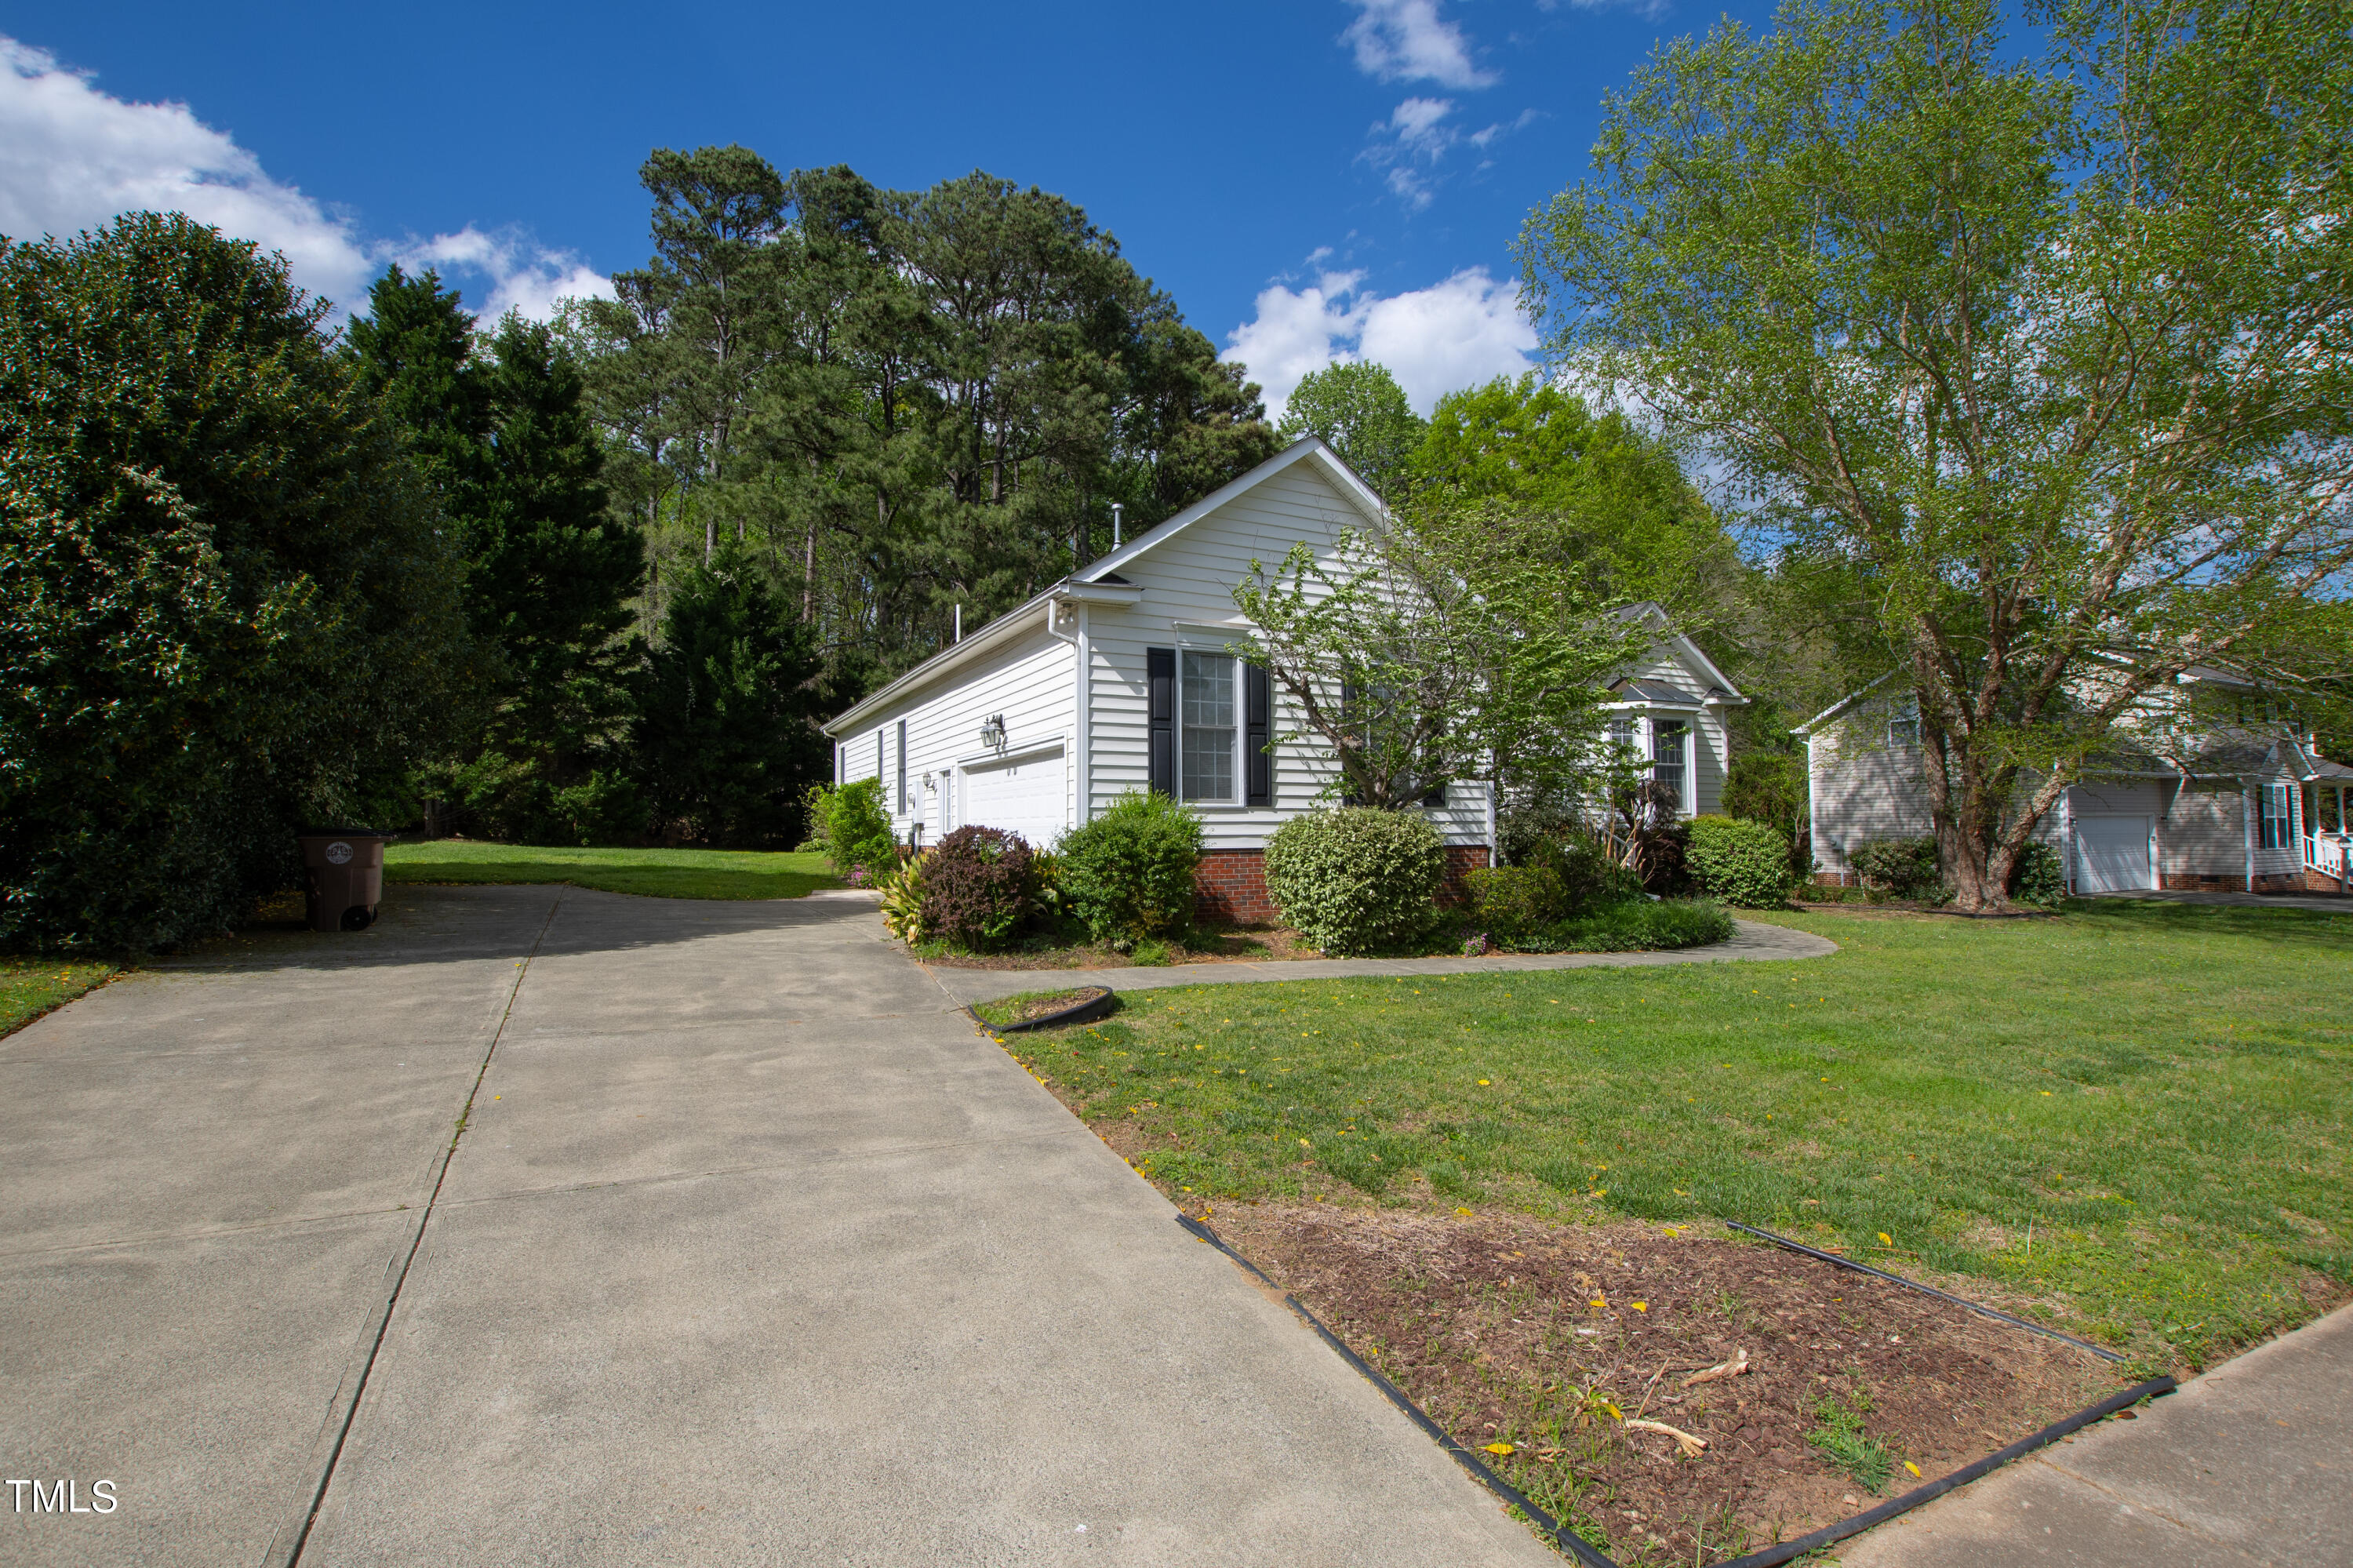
<point x="1864" y="786"/>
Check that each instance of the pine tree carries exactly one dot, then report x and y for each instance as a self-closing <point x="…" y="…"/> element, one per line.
<point x="724" y="729"/>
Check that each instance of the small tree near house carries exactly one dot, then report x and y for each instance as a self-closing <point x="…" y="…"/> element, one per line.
<point x="1447" y="645"/>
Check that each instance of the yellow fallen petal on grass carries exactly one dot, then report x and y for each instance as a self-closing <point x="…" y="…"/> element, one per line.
<point x="1886" y="1240"/>
<point x="1641" y="1305"/>
<point x="1464" y="1212"/>
<point x="1501" y="1448"/>
<point x="1911" y="1466"/>
<point x="1483" y="1083"/>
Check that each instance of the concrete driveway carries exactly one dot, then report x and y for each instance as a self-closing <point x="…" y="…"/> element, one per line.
<point x="749" y="1249"/>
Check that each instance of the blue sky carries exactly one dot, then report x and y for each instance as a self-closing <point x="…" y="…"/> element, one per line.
<point x="1314" y="180"/>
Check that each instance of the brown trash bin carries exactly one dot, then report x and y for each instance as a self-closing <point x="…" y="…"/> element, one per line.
<point x="342" y="876"/>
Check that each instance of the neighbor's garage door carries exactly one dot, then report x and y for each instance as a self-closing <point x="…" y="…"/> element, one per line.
<point x="2111" y="854"/>
<point x="1023" y="794"/>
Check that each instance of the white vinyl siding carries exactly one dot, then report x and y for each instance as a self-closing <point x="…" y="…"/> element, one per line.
<point x="1187" y="604"/>
<point x="1027" y="681"/>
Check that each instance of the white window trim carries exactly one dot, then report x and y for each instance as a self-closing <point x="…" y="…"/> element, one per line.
<point x="1237" y="800"/>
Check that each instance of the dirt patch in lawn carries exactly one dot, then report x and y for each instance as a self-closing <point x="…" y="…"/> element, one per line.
<point x="1221" y="945"/>
<point x="1510" y="1330"/>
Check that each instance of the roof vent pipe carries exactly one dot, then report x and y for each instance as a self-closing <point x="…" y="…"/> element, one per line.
<point x="1115" y="524"/>
<point x="959" y="623"/>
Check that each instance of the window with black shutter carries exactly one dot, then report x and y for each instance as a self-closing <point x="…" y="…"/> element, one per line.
<point x="1258" y="735"/>
<point x="1160" y="678"/>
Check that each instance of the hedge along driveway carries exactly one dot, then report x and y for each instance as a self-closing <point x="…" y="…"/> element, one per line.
<point x="2134" y="1114"/>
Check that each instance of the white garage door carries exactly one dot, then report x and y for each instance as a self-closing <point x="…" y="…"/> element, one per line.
<point x="1024" y="794"/>
<point x="2111" y="854"/>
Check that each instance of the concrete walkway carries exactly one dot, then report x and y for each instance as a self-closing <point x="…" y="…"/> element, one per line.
<point x="749" y="1249"/>
<point x="1752" y="939"/>
<point x="2250" y="1464"/>
<point x="2327" y="903"/>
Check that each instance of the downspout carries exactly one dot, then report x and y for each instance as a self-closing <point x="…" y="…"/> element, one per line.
<point x="1082" y="808"/>
<point x="2067" y="841"/>
<point x="2247" y="828"/>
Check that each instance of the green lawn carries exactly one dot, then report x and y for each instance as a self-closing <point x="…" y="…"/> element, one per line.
<point x="2136" y="1114"/>
<point x="30" y="987"/>
<point x="656" y="872"/>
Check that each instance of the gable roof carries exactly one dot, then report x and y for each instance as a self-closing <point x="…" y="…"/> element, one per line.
<point x="1649" y="610"/>
<point x="1100" y="579"/>
<point x="1307" y="449"/>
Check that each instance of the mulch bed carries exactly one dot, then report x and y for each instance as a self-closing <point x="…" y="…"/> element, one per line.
<point x="1010" y="1011"/>
<point x="1508" y="1329"/>
<point x="1222" y="945"/>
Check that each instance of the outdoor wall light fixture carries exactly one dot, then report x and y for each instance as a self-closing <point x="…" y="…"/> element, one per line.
<point x="992" y="731"/>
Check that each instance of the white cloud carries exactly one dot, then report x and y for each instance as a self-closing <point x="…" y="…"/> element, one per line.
<point x="523" y="275"/>
<point x="1460" y="332"/>
<point x="72" y="158"/>
<point x="1409" y="145"/>
<point x="1408" y="40"/>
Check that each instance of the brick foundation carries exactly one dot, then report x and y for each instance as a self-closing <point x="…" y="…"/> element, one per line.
<point x="2268" y="882"/>
<point x="1230" y="886"/>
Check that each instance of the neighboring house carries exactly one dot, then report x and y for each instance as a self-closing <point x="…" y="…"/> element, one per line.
<point x="2208" y="790"/>
<point x="1119" y="677"/>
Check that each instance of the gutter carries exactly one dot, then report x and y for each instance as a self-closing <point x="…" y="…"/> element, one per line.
<point x="989" y="636"/>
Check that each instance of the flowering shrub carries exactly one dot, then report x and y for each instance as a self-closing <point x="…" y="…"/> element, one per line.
<point x="2038" y="878"/>
<point x="1905" y="867"/>
<point x="1507" y="899"/>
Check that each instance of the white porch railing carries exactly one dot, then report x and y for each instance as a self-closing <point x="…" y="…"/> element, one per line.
<point x="2324" y="852"/>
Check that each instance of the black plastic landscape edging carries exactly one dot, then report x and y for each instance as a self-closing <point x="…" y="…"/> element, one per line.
<point x="1085" y="1011"/>
<point x="1924" y="1290"/>
<point x="1566" y="1539"/>
<point x="1575" y="1545"/>
<point x="1773" y="1555"/>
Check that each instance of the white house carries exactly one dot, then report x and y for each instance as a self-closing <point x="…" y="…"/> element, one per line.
<point x="2210" y="789"/>
<point x="1119" y="677"/>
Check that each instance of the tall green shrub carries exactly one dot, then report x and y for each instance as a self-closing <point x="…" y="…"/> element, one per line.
<point x="1905" y="867"/>
<point x="227" y="606"/>
<point x="856" y="829"/>
<point x="1744" y="863"/>
<point x="1356" y="879"/>
<point x="1129" y="872"/>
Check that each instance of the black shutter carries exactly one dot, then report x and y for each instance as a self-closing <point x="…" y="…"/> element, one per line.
<point x="1160" y="675"/>
<point x="1257" y="733"/>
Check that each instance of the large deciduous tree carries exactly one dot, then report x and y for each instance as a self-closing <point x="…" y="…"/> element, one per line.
<point x="227" y="603"/>
<point x="1357" y="408"/>
<point x="1620" y="507"/>
<point x="2037" y="350"/>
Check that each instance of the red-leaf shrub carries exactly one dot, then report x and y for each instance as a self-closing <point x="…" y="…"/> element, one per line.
<point x="977" y="887"/>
